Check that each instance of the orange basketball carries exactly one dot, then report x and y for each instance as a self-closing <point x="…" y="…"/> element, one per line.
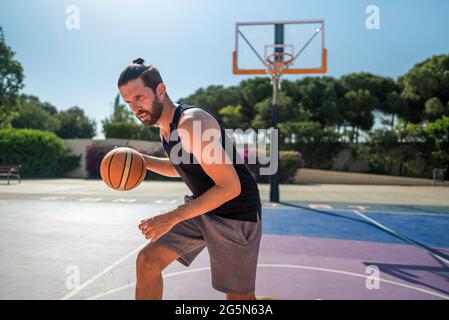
<point x="123" y="169"/>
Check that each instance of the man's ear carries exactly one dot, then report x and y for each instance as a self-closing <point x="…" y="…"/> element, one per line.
<point x="161" y="91"/>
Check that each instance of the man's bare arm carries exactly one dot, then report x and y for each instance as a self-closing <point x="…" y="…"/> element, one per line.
<point x="227" y="183"/>
<point x="162" y="166"/>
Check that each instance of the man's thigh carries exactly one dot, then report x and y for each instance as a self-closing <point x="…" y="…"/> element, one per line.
<point x="186" y="239"/>
<point x="233" y="247"/>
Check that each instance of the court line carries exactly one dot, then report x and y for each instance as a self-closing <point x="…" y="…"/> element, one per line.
<point x="291" y="266"/>
<point x="377" y="224"/>
<point x="442" y="215"/>
<point x="126" y="286"/>
<point x="402" y="237"/>
<point x="101" y="273"/>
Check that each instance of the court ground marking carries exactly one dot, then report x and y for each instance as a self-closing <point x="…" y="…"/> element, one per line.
<point x="445" y="215"/>
<point x="117" y="262"/>
<point x="400" y="236"/>
<point x="95" y="277"/>
<point x="404" y="213"/>
<point x="291" y="266"/>
<point x="124" y="200"/>
<point x="87" y="199"/>
<point x="172" y="201"/>
<point x="104" y="271"/>
<point x="53" y="198"/>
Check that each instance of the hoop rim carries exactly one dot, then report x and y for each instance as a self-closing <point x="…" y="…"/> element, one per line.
<point x="272" y="62"/>
<point x="277" y="67"/>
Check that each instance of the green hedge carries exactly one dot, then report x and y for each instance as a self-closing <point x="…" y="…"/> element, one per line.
<point x="41" y="153"/>
<point x="290" y="162"/>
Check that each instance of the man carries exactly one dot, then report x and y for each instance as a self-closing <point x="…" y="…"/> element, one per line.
<point x="224" y="212"/>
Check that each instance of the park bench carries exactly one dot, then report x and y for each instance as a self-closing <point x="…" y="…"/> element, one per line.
<point x="10" y="171"/>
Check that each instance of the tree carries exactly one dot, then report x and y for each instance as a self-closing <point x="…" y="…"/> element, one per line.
<point x="75" y="124"/>
<point x="33" y="114"/>
<point x="253" y="91"/>
<point x="359" y="113"/>
<point x="437" y="136"/>
<point x="121" y="123"/>
<point x="395" y="104"/>
<point x="434" y="109"/>
<point x="318" y="144"/>
<point x="232" y="117"/>
<point x="320" y="97"/>
<point x="11" y="77"/>
<point x="426" y="80"/>
<point x="286" y="108"/>
<point x="213" y="98"/>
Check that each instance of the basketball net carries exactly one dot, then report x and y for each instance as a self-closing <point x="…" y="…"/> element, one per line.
<point x="275" y="64"/>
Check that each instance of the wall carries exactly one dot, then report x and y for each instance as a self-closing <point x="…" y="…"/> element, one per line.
<point x="344" y="161"/>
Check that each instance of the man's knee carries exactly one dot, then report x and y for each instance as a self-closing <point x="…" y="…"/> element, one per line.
<point x="154" y="258"/>
<point x="147" y="261"/>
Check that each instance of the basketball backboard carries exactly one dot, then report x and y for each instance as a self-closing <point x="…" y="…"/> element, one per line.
<point x="299" y="44"/>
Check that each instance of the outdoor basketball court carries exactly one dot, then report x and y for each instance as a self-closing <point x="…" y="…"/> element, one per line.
<point x="51" y="230"/>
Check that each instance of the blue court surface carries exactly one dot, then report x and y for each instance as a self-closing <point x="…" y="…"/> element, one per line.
<point x="431" y="229"/>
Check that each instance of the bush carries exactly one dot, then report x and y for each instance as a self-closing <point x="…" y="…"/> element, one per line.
<point x="69" y="163"/>
<point x="148" y="134"/>
<point x="130" y="130"/>
<point x="120" y="130"/>
<point x="318" y="144"/>
<point x="94" y="155"/>
<point x="375" y="166"/>
<point x="41" y="153"/>
<point x="289" y="163"/>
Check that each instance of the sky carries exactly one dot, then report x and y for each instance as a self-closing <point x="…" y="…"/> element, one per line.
<point x="191" y="41"/>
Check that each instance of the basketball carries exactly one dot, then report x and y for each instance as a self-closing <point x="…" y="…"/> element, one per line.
<point x="123" y="169"/>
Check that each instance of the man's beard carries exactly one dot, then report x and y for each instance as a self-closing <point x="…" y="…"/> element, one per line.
<point x="151" y="117"/>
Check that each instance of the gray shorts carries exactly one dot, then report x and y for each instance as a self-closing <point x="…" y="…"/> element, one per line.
<point x="233" y="247"/>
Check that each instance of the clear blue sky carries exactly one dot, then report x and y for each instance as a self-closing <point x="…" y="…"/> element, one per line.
<point x="191" y="41"/>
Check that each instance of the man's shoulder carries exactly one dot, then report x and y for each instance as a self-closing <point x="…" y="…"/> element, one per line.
<point x="194" y="113"/>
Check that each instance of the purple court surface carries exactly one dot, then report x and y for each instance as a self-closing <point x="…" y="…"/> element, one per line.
<point x="67" y="248"/>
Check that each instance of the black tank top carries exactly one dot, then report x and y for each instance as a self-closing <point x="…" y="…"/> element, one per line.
<point x="246" y="206"/>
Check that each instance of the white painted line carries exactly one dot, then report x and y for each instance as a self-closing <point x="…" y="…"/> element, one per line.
<point x="124" y="200"/>
<point x="133" y="284"/>
<point x="162" y="201"/>
<point x="320" y="206"/>
<point x="98" y="275"/>
<point x="400" y="236"/>
<point x="52" y="198"/>
<point x="361" y="208"/>
<point x="442" y="215"/>
<point x="291" y="266"/>
<point x="90" y="199"/>
<point x="404" y="213"/>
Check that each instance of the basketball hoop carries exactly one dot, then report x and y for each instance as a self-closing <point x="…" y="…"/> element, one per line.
<point x="276" y="62"/>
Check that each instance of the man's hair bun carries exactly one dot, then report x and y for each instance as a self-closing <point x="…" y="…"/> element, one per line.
<point x="138" y="61"/>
